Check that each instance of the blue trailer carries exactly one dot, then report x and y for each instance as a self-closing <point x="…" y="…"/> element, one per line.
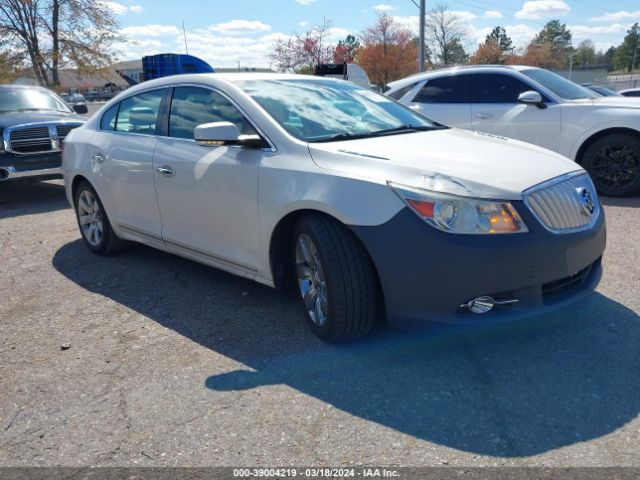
<point x="165" y="64"/>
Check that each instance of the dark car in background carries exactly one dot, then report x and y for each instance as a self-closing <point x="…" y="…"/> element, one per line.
<point x="34" y="122"/>
<point x="602" y="90"/>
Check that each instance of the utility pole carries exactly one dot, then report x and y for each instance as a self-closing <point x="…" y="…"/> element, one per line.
<point x="421" y="45"/>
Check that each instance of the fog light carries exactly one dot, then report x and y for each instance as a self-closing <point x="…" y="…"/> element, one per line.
<point x="485" y="304"/>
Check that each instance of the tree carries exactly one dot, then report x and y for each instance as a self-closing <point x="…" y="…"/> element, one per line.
<point x="535" y="54"/>
<point x="388" y="51"/>
<point x="499" y="36"/>
<point x="53" y="34"/>
<point x="455" y="53"/>
<point x="8" y="67"/>
<point x="585" y="54"/>
<point x="627" y="55"/>
<point x="443" y="29"/>
<point x="488" y="52"/>
<point x="302" y="52"/>
<point x="558" y="38"/>
<point x="345" y="51"/>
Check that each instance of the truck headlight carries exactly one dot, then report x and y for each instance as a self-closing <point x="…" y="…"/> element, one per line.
<point x="464" y="215"/>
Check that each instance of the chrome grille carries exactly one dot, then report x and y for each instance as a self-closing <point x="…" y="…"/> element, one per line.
<point x="63" y="130"/>
<point x="30" y="140"/>
<point x="566" y="204"/>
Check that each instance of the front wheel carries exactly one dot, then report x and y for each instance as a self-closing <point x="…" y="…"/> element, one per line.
<point x="613" y="162"/>
<point x="93" y="222"/>
<point x="335" y="278"/>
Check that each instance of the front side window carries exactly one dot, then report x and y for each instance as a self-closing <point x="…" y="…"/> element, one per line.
<point x="193" y="106"/>
<point x="498" y="88"/>
<point x="323" y="109"/>
<point x="401" y="92"/>
<point x="108" y="120"/>
<point x="450" y="89"/>
<point x="560" y="86"/>
<point x="139" y="113"/>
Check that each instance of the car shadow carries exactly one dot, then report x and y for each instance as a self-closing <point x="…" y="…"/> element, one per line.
<point x="19" y="198"/>
<point x="514" y="390"/>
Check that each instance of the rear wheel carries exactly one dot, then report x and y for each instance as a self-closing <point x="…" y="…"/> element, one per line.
<point x="335" y="278"/>
<point x="613" y="162"/>
<point x="93" y="222"/>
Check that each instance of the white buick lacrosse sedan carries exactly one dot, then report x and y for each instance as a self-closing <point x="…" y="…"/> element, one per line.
<point x="359" y="203"/>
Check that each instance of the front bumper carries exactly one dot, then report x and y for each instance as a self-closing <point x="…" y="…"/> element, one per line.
<point x="30" y="166"/>
<point x="426" y="275"/>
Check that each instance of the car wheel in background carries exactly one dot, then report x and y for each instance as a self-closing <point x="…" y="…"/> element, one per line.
<point x="335" y="278"/>
<point x="613" y="162"/>
<point x="93" y="222"/>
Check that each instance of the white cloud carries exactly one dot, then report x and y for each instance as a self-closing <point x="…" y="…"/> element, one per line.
<point x="381" y="7"/>
<point x="304" y="2"/>
<point x="304" y="23"/>
<point x="520" y="34"/>
<point x="493" y="14"/>
<point x="239" y="27"/>
<point x="617" y="16"/>
<point x="584" y="31"/>
<point x="154" y="30"/>
<point x="120" y="9"/>
<point x="464" y="15"/>
<point x="539" y="9"/>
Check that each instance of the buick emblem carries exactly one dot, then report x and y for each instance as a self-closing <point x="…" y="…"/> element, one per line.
<point x="586" y="201"/>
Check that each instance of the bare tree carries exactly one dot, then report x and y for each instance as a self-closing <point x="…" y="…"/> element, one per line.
<point x="52" y="34"/>
<point x="444" y="31"/>
<point x="302" y="52"/>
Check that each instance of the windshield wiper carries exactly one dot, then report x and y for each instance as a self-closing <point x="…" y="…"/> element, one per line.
<point x="407" y="128"/>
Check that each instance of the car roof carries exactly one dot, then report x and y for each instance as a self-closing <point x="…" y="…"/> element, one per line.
<point x="417" y="77"/>
<point x="22" y="87"/>
<point x="629" y="90"/>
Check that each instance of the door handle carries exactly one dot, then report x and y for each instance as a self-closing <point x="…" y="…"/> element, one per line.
<point x="484" y="116"/>
<point x="98" y="157"/>
<point x="167" y="172"/>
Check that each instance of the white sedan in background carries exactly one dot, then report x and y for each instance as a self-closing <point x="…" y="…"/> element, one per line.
<point x="537" y="106"/>
<point x="359" y="203"/>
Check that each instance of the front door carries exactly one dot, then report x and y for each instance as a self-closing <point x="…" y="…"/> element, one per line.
<point x="207" y="194"/>
<point x="446" y="100"/>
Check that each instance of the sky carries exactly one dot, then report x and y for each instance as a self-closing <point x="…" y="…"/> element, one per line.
<point x="242" y="32"/>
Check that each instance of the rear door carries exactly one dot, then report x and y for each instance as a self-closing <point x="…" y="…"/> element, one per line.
<point x="446" y="100"/>
<point x="496" y="110"/>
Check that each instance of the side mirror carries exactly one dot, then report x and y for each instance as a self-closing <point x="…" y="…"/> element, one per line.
<point x="225" y="133"/>
<point x="531" y="97"/>
<point x="80" y="108"/>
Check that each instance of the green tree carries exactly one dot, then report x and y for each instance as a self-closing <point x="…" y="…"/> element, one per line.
<point x="585" y="54"/>
<point x="558" y="37"/>
<point x="627" y="55"/>
<point x="455" y="53"/>
<point x="499" y="36"/>
<point x="346" y="49"/>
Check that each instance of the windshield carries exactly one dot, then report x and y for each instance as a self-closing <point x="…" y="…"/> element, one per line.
<point x="322" y="110"/>
<point x="21" y="99"/>
<point x="560" y="86"/>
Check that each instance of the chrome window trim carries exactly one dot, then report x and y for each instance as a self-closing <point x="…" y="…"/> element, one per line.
<point x="53" y="135"/>
<point x="554" y="181"/>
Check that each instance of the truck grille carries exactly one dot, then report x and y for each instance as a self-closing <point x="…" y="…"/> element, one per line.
<point x="567" y="204"/>
<point x="30" y="140"/>
<point x="37" y="139"/>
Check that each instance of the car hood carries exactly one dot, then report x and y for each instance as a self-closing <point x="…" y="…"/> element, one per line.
<point x="449" y="160"/>
<point x="9" y="119"/>
<point x="613" y="101"/>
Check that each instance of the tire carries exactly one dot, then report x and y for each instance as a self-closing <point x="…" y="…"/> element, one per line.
<point x="103" y="240"/>
<point x="338" y="270"/>
<point x="613" y="162"/>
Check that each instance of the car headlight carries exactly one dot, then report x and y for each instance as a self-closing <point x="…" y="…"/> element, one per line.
<point x="464" y="215"/>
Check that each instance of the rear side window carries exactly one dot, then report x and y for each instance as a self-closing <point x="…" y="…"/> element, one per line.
<point x="108" y="120"/>
<point x="451" y="89"/>
<point x="193" y="106"/>
<point x="497" y="88"/>
<point x="401" y="92"/>
<point x="139" y="113"/>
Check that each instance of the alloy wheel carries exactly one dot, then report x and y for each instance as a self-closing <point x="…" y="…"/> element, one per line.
<point x="615" y="167"/>
<point x="311" y="280"/>
<point x="90" y="217"/>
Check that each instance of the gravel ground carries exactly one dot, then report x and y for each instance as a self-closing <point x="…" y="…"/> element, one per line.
<point x="173" y="363"/>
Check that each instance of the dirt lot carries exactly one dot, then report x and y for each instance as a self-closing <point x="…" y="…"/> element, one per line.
<point x="173" y="363"/>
